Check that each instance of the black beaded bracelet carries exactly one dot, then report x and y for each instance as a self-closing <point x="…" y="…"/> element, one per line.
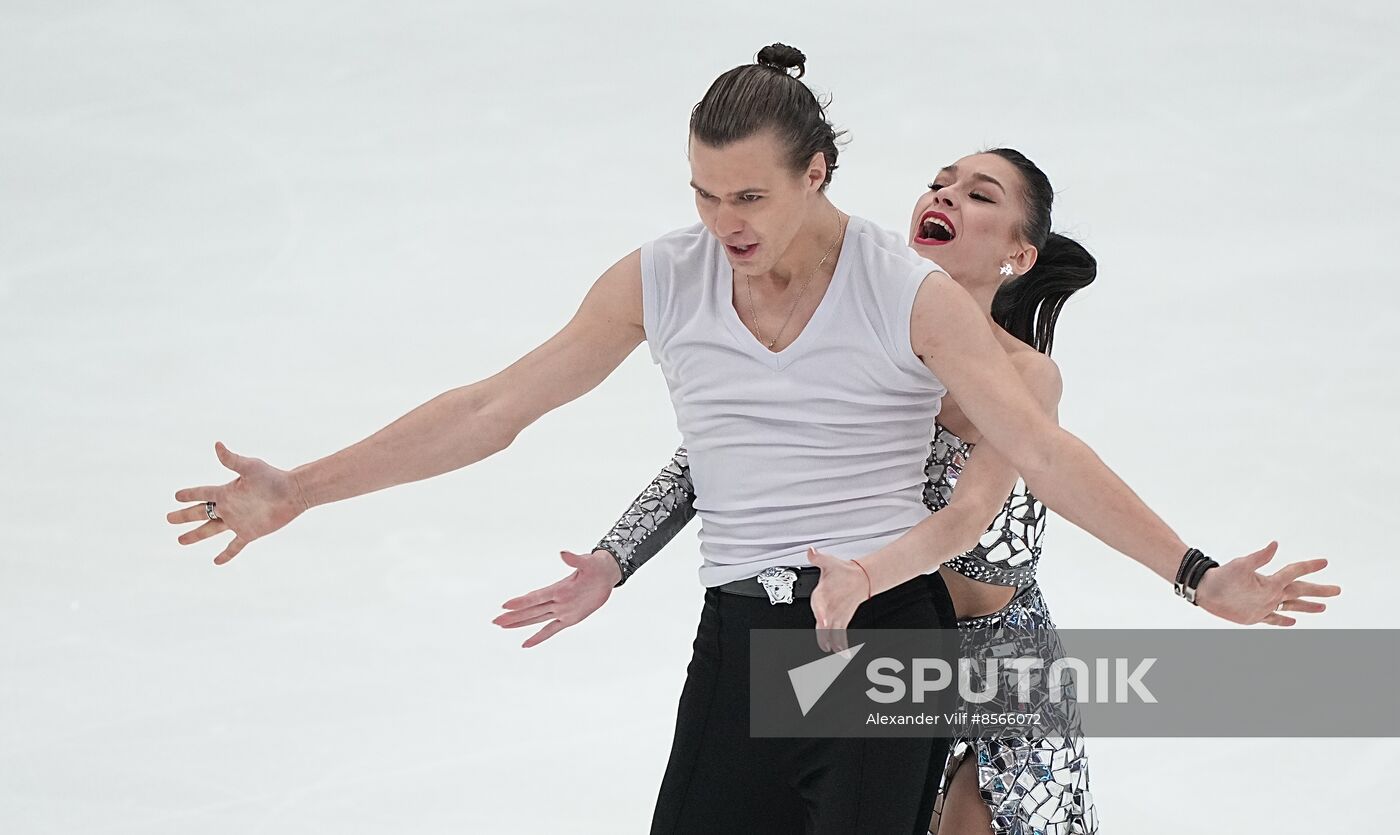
<point x="1181" y="569"/>
<point x="1199" y="571"/>
<point x="1193" y="567"/>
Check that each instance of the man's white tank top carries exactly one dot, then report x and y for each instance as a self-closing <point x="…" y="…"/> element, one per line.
<point x="822" y="443"/>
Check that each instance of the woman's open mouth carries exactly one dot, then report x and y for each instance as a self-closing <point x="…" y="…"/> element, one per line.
<point x="743" y="252"/>
<point x="935" y="229"/>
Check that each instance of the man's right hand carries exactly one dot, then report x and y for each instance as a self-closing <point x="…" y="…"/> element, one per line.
<point x="1240" y="592"/>
<point x="259" y="501"/>
<point x="566" y="602"/>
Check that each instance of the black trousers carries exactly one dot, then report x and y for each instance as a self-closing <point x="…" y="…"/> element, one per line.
<point x="720" y="780"/>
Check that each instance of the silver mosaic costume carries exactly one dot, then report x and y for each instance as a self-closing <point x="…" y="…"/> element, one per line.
<point x="1032" y="784"/>
<point x="653" y="518"/>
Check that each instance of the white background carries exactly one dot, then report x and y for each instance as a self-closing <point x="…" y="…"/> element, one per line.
<point x="281" y="225"/>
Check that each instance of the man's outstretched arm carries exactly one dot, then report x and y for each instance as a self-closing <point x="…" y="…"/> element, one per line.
<point x="953" y="337"/>
<point x="457" y="428"/>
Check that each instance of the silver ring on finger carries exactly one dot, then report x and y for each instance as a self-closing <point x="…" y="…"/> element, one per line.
<point x="209" y="511"/>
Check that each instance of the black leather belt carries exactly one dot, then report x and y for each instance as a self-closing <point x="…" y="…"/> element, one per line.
<point x="807" y="577"/>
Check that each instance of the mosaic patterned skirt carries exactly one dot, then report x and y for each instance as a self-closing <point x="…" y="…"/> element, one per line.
<point x="1032" y="785"/>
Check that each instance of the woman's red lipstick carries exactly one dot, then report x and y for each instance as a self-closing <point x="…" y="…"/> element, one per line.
<point x="929" y="225"/>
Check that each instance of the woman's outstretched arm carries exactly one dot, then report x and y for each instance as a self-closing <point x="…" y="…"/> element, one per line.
<point x="653" y="519"/>
<point x="978" y="496"/>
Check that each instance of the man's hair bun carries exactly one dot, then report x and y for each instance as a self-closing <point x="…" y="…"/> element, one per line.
<point x="780" y="56"/>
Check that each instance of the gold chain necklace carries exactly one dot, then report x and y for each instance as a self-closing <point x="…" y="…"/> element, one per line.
<point x="753" y="311"/>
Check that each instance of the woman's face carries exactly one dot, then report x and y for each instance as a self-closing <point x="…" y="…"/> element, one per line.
<point x="970" y="220"/>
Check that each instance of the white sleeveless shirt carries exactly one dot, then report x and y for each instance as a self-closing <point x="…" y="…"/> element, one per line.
<point x="822" y="443"/>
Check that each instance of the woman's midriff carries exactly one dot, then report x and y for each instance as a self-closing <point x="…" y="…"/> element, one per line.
<point x="972" y="598"/>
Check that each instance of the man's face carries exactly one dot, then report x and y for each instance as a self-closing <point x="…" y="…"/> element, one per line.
<point x="749" y="197"/>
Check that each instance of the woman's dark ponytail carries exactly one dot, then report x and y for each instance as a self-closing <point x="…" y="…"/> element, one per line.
<point x="1028" y="305"/>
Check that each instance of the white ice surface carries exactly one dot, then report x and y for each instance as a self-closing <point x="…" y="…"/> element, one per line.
<point x="281" y="225"/>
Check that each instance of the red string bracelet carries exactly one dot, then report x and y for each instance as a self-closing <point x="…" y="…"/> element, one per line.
<point x="867" y="578"/>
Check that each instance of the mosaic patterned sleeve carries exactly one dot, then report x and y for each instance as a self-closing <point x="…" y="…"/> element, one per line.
<point x="654" y="518"/>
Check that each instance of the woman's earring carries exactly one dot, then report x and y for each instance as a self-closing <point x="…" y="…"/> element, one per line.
<point x="1006" y="268"/>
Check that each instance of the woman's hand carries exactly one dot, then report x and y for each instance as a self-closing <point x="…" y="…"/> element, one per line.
<point x="1239" y="593"/>
<point x="258" y="502"/>
<point x="566" y="602"/>
<point x="840" y="591"/>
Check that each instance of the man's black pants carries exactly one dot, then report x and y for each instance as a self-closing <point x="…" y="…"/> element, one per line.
<point x="720" y="780"/>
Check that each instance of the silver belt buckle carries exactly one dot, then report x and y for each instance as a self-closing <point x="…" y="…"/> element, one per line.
<point x="778" y="582"/>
